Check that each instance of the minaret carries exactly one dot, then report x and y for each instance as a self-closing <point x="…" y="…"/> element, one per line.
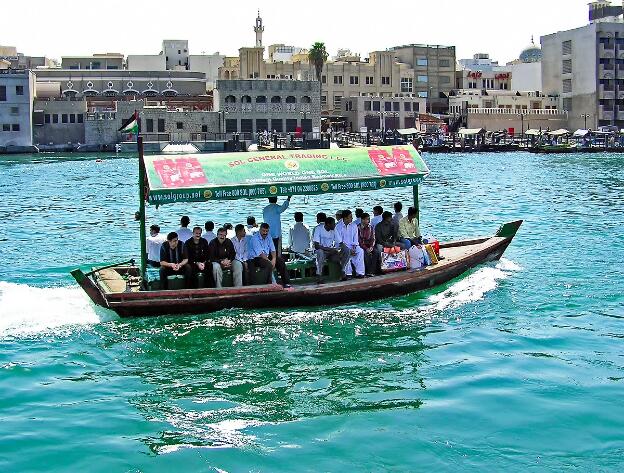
<point x="258" y="29"/>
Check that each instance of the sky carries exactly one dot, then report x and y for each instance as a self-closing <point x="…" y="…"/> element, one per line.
<point x="55" y="28"/>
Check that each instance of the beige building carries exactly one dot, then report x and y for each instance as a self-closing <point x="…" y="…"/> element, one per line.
<point x="106" y="61"/>
<point x="388" y="113"/>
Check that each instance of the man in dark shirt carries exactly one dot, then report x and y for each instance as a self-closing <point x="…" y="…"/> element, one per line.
<point x="196" y="249"/>
<point x="385" y="233"/>
<point x="222" y="255"/>
<point x="173" y="260"/>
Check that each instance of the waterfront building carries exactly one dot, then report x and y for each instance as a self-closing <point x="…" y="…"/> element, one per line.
<point x="105" y="61"/>
<point x="366" y="113"/>
<point x="17" y="60"/>
<point x="585" y="68"/>
<point x="423" y="71"/>
<point x="256" y="105"/>
<point x="526" y="71"/>
<point x="17" y="93"/>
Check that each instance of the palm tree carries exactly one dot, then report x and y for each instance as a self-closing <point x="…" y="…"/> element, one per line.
<point x="317" y="56"/>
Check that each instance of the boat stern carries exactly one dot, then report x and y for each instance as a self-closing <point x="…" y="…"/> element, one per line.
<point x="87" y="284"/>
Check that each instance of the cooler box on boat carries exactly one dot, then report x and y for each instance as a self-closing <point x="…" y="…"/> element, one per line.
<point x="391" y="262"/>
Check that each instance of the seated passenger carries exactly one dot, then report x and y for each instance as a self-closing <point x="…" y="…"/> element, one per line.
<point x="377" y="215"/>
<point x="327" y="248"/>
<point x="409" y="230"/>
<point x="299" y="235"/>
<point x="154" y="242"/>
<point x="209" y="234"/>
<point x="222" y="255"/>
<point x="320" y="221"/>
<point x="184" y="232"/>
<point x="262" y="255"/>
<point x="196" y="249"/>
<point x="347" y="235"/>
<point x="358" y="216"/>
<point x="229" y="228"/>
<point x="173" y="260"/>
<point x="241" y="243"/>
<point x="385" y="236"/>
<point x="338" y="217"/>
<point x="366" y="236"/>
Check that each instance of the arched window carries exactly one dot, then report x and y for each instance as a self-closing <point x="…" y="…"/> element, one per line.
<point x="246" y="99"/>
<point x="306" y="99"/>
<point x="261" y="99"/>
<point x="230" y="99"/>
<point x="276" y="99"/>
<point x="291" y="99"/>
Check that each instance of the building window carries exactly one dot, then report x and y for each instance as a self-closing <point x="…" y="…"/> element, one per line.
<point x="72" y="118"/>
<point x="567" y="86"/>
<point x="444" y="63"/>
<point x="566" y="67"/>
<point x="354" y="80"/>
<point x="19" y="90"/>
<point x="277" y="124"/>
<point x="15" y="127"/>
<point x="406" y="84"/>
<point x="149" y="125"/>
<point x="204" y="128"/>
<point x="161" y="125"/>
<point x="567" y="104"/>
<point x="246" y="125"/>
<point x="55" y="118"/>
<point x="337" y="79"/>
<point x="421" y="61"/>
<point x="416" y="107"/>
<point x="324" y="79"/>
<point x="367" y="105"/>
<point x="306" y="125"/>
<point x="337" y="99"/>
<point x="14" y="110"/>
<point x="64" y="118"/>
<point x="291" y="125"/>
<point x="2" y="93"/>
<point x="396" y="106"/>
<point x="179" y="126"/>
<point x="407" y="106"/>
<point x="46" y="118"/>
<point x="385" y="80"/>
<point x="422" y="79"/>
<point x="231" y="125"/>
<point x="376" y="106"/>
<point x="348" y="106"/>
<point x="388" y="106"/>
<point x="566" y="47"/>
<point x="262" y="124"/>
<point x="6" y="127"/>
<point x="423" y="95"/>
<point x="370" y="80"/>
<point x="112" y="67"/>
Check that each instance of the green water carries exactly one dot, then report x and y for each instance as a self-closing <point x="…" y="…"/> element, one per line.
<point x="516" y="366"/>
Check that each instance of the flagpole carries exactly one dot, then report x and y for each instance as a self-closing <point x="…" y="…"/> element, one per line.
<point x="142" y="232"/>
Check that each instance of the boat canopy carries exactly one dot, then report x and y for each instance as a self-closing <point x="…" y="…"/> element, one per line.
<point x="533" y="132"/>
<point x="471" y="131"/>
<point x="580" y="133"/>
<point x="560" y="132"/>
<point x="262" y="174"/>
<point x="408" y="131"/>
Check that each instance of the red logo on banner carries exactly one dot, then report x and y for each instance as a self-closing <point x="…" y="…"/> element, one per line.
<point x="401" y="162"/>
<point x="183" y="172"/>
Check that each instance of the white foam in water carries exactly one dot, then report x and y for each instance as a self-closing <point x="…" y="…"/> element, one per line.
<point x="27" y="310"/>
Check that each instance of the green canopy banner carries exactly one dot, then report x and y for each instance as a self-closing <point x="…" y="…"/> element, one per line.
<point x="261" y="174"/>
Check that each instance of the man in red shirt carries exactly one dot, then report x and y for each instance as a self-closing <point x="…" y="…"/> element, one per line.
<point x="366" y="235"/>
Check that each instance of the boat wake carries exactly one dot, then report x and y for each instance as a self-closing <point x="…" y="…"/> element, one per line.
<point x="26" y="310"/>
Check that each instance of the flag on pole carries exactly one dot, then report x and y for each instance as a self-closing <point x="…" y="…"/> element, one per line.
<point x="131" y="125"/>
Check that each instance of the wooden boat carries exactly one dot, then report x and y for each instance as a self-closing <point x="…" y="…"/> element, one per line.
<point x="123" y="287"/>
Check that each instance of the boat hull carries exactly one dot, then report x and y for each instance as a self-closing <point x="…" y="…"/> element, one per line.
<point x="463" y="255"/>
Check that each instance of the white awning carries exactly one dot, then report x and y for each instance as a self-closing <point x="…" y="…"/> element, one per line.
<point x="408" y="131"/>
<point x="471" y="131"/>
<point x="580" y="133"/>
<point x="560" y="132"/>
<point x="533" y="132"/>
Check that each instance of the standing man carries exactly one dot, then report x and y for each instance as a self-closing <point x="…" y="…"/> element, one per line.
<point x="184" y="233"/>
<point x="377" y="213"/>
<point x="209" y="234"/>
<point x="409" y="230"/>
<point x="196" y="249"/>
<point x="367" y="243"/>
<point x="241" y="242"/>
<point x="299" y="235"/>
<point x="398" y="207"/>
<point x="320" y="221"/>
<point x="262" y="255"/>
<point x="347" y="235"/>
<point x="222" y="255"/>
<point x="154" y="242"/>
<point x="173" y="260"/>
<point x="272" y="216"/>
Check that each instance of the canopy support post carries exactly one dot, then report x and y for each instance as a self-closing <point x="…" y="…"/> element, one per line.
<point x="142" y="232"/>
<point x="416" y="203"/>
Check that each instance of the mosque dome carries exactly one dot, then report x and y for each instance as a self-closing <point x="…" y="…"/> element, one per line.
<point x="532" y="53"/>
